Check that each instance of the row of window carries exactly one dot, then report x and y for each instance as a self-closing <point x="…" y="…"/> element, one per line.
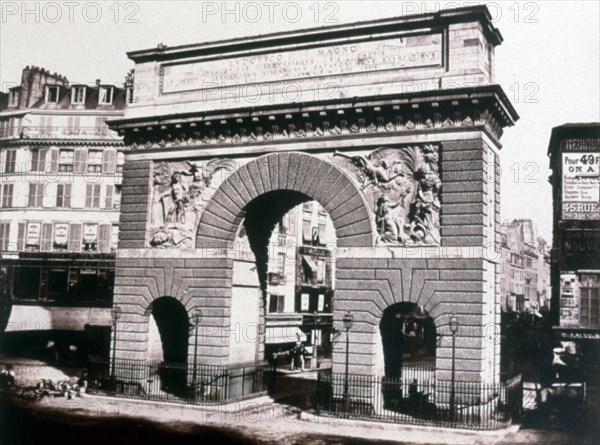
<point x="308" y="302"/>
<point x="60" y="284"/>
<point x="69" y="161"/>
<point x="36" y="236"/>
<point x="37" y="191"/>
<point x="105" y="94"/>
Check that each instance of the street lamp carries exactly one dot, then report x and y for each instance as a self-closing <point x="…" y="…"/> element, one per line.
<point x="453" y="325"/>
<point x="348" y="320"/>
<point x="315" y="352"/>
<point x="115" y="314"/>
<point x="196" y="318"/>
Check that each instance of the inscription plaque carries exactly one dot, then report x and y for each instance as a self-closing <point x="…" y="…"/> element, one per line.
<point x="360" y="57"/>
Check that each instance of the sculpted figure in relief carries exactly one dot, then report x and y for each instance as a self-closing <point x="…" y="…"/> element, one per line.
<point x="404" y="185"/>
<point x="181" y="192"/>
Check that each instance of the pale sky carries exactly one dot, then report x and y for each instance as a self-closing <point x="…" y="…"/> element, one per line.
<point x="548" y="65"/>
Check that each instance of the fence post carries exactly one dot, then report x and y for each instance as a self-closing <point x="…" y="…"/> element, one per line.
<point x="318" y="391"/>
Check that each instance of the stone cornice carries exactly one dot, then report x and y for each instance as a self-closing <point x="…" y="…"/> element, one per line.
<point x="428" y="111"/>
<point x="296" y="39"/>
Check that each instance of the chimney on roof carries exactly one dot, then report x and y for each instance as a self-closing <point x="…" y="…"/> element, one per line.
<point x="97" y="82"/>
<point x="33" y="82"/>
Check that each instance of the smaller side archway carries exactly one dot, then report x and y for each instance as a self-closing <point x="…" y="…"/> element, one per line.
<point x="172" y="321"/>
<point x="169" y="328"/>
<point x="408" y="337"/>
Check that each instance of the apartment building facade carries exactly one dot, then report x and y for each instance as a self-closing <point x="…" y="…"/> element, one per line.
<point x="60" y="179"/>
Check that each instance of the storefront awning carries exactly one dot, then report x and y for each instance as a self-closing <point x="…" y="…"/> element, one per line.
<point x="310" y="262"/>
<point x="284" y="334"/>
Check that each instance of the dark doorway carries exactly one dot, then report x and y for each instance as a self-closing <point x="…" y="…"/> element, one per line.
<point x="173" y="326"/>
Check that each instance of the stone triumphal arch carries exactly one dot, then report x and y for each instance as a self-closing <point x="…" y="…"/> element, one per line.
<point x="392" y="126"/>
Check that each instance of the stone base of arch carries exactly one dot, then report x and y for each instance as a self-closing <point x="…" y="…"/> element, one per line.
<point x="230" y="328"/>
<point x="443" y="286"/>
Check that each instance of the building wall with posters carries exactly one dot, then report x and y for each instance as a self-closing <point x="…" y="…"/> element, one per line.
<point x="574" y="152"/>
<point x="60" y="181"/>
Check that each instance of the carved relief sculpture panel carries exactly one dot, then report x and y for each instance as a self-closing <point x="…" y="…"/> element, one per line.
<point x="403" y="186"/>
<point x="181" y="191"/>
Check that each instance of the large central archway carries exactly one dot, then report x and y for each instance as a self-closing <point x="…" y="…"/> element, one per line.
<point x="255" y="198"/>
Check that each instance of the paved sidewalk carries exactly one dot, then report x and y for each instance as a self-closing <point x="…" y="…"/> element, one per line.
<point x="284" y="424"/>
<point x="273" y="421"/>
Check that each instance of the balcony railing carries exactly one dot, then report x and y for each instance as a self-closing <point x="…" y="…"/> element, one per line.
<point x="58" y="132"/>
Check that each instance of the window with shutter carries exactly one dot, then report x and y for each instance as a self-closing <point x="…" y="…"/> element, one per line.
<point x="108" y="199"/>
<point x="7" y="195"/>
<point x="306" y="231"/>
<point x="67" y="196"/>
<point x="109" y="161"/>
<point x="36" y="195"/>
<point x="105" y="238"/>
<point x="53" y="166"/>
<point x="88" y="196"/>
<point x="96" y="196"/>
<point x="4" y="235"/>
<point x="21" y="237"/>
<point x="276" y="303"/>
<point x="38" y="160"/>
<point x="75" y="238"/>
<point x="79" y="160"/>
<point x="92" y="196"/>
<point x="46" y="245"/>
<point x="63" y="195"/>
<point x="11" y="161"/>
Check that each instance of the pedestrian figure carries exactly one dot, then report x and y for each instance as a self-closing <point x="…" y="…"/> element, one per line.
<point x="7" y="377"/>
<point x="297" y="356"/>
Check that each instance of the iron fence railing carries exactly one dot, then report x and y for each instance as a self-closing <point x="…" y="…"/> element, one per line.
<point x="471" y="405"/>
<point x="180" y="383"/>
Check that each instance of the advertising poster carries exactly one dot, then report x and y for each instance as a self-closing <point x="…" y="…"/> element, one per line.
<point x="33" y="233"/>
<point x="90" y="233"/>
<point x="61" y="231"/>
<point x="580" y="186"/>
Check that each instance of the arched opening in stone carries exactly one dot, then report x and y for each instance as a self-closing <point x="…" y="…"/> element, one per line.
<point x="170" y="322"/>
<point x="408" y="337"/>
<point x="292" y="240"/>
